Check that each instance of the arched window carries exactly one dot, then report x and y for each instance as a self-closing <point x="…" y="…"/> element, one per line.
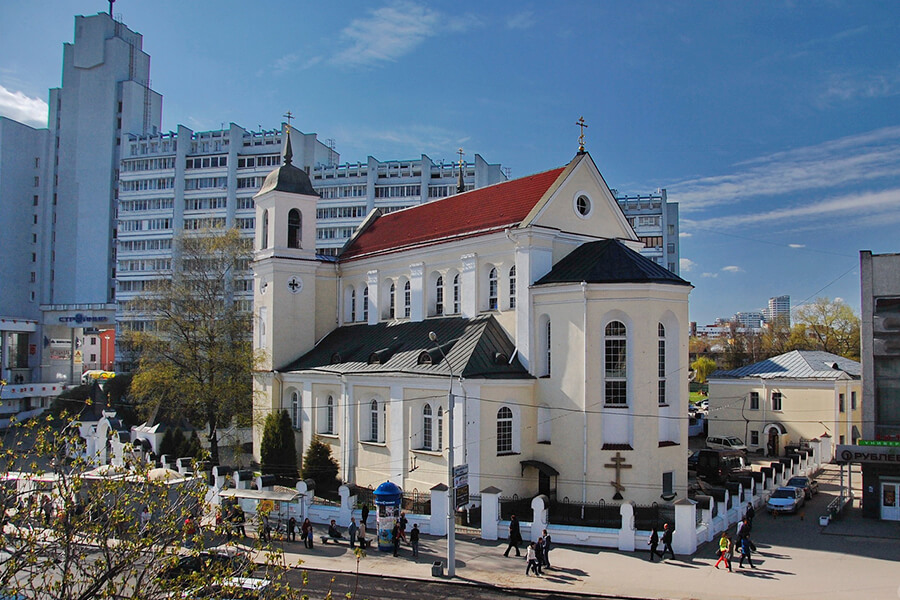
<point x="295" y="222"/>
<point x="295" y="410"/>
<point x="492" y="289"/>
<point x="504" y="431"/>
<point x="393" y="307"/>
<point x="365" y="304"/>
<point x="615" y="361"/>
<point x="512" y="287"/>
<point x="329" y="415"/>
<point x="352" y="305"/>
<point x="439" y="296"/>
<point x="426" y="427"/>
<point x="440" y="429"/>
<point x="456" y="294"/>
<point x="264" y="242"/>
<point x="407" y="299"/>
<point x="374" y="428"/>
<point x="662" y="364"/>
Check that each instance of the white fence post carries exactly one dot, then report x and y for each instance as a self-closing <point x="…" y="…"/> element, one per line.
<point x="346" y="506"/>
<point x="490" y="513"/>
<point x="626" y="532"/>
<point x="539" y="508"/>
<point x="684" y="539"/>
<point x="440" y="499"/>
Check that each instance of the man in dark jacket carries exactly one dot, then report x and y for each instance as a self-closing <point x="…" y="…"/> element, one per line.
<point x="667" y="541"/>
<point x="515" y="536"/>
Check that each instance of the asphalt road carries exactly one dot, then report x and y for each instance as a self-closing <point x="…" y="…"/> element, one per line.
<point x="385" y="588"/>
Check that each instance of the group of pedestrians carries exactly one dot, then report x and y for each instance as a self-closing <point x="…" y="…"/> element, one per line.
<point x="666" y="541"/>
<point x="743" y="544"/>
<point x="537" y="554"/>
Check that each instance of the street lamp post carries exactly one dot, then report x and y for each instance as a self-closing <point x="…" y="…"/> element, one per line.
<point x="451" y="488"/>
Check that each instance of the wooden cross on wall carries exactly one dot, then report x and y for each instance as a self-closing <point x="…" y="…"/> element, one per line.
<point x="618" y="463"/>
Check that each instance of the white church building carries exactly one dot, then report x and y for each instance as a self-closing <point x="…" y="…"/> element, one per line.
<point x="565" y="349"/>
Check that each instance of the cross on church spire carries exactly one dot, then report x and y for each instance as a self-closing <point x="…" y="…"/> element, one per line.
<point x="289" y="116"/>
<point x="460" y="185"/>
<point x="581" y="124"/>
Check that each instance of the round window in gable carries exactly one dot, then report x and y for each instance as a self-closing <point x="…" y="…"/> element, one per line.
<point x="583" y="206"/>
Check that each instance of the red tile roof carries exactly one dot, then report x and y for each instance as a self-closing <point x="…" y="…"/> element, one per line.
<point x="472" y="213"/>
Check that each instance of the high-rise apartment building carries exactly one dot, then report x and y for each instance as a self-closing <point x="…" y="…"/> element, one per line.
<point x="655" y="220"/>
<point x="779" y="308"/>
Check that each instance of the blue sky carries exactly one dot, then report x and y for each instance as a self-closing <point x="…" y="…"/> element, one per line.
<point x="775" y="125"/>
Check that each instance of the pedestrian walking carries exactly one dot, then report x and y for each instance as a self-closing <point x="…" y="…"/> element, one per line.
<point x="240" y="519"/>
<point x="743" y="529"/>
<point x="667" y="541"/>
<point x="725" y="550"/>
<point x="531" y="563"/>
<point x="145" y="521"/>
<point x="365" y="515"/>
<point x="539" y="551"/>
<point x="402" y="522"/>
<point x="750" y="513"/>
<point x="747" y="548"/>
<point x="189" y="530"/>
<point x="515" y="536"/>
<point x="306" y="533"/>
<point x="292" y="529"/>
<point x="351" y="531"/>
<point x="546" y="549"/>
<point x="361" y="536"/>
<point x="414" y="539"/>
<point x="395" y="537"/>
<point x="653" y="542"/>
<point x="47" y="508"/>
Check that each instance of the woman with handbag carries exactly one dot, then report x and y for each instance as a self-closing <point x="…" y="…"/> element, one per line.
<point x="725" y="550"/>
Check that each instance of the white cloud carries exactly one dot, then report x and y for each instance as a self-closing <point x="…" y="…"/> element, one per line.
<point x="710" y="275"/>
<point x="796" y="245"/>
<point x="842" y="87"/>
<point x="18" y="106"/>
<point x="401" y="140"/>
<point x="732" y="269"/>
<point x="387" y="33"/>
<point x="884" y="202"/>
<point x="684" y="234"/>
<point x="521" y="20"/>
<point x="686" y="264"/>
<point x="850" y="160"/>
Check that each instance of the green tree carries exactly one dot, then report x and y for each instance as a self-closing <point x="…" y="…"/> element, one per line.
<point x="196" y="360"/>
<point x="320" y="466"/>
<point x="703" y="367"/>
<point x="278" y="451"/>
<point x="88" y="541"/>
<point x="832" y="325"/>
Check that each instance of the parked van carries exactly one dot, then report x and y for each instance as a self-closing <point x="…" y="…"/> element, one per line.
<point x="717" y="466"/>
<point x="726" y="442"/>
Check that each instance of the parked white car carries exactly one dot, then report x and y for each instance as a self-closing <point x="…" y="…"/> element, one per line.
<point x="729" y="442"/>
<point x="785" y="500"/>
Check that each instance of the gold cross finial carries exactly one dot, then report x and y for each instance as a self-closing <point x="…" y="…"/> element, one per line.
<point x="289" y="116"/>
<point x="581" y="124"/>
<point x="461" y="154"/>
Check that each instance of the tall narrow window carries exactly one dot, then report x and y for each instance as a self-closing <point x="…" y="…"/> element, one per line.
<point x="439" y="296"/>
<point x="440" y="429"/>
<point x="456" y="294"/>
<point x="492" y="289"/>
<point x="776" y="400"/>
<point x="295" y="222"/>
<point x="329" y="415"/>
<point x="393" y="307"/>
<point x="504" y="430"/>
<point x="615" y="364"/>
<point x="352" y="305"/>
<point x="264" y="242"/>
<point x="365" y="303"/>
<point x="373" y="421"/>
<point x="512" y="287"/>
<point x="407" y="299"/>
<point x="754" y="400"/>
<point x="295" y="410"/>
<point x="426" y="427"/>
<point x="547" y="348"/>
<point x="662" y="364"/>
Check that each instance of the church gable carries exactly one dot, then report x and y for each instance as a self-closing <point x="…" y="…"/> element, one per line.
<point x="580" y="202"/>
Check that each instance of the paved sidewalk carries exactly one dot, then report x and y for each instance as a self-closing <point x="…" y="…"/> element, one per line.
<point x="796" y="560"/>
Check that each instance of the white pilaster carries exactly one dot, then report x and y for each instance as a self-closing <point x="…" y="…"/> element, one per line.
<point x="374" y="307"/>
<point x="469" y="284"/>
<point x="417" y="291"/>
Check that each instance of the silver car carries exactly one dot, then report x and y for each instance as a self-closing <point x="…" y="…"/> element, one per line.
<point x="785" y="500"/>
